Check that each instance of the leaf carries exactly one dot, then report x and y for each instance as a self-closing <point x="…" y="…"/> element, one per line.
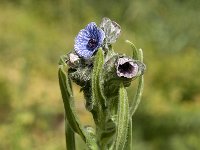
<point x="137" y="98"/>
<point x="138" y="55"/>
<point x="65" y="87"/>
<point x="71" y="118"/>
<point x="97" y="94"/>
<point x="70" y="138"/>
<point x="135" y="51"/>
<point x="122" y="120"/>
<point x="129" y="142"/>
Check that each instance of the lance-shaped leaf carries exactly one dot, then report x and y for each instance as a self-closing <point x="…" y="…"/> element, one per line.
<point x="97" y="94"/>
<point x="135" y="51"/>
<point x="72" y="121"/>
<point x="122" y="120"/>
<point x="65" y="87"/>
<point x="129" y="142"/>
<point x="137" y="55"/>
<point x="70" y="137"/>
<point x="137" y="98"/>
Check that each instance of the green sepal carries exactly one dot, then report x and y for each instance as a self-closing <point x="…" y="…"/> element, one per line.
<point x="122" y="120"/>
<point x="63" y="60"/>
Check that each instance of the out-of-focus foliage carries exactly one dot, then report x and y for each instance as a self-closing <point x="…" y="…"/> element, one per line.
<point x="34" y="33"/>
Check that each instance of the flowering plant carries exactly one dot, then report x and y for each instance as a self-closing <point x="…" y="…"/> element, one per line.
<point x="103" y="76"/>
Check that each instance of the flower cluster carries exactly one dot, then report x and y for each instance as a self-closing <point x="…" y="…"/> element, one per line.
<point x="93" y="37"/>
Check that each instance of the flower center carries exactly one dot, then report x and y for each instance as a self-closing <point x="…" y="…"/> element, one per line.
<point x="92" y="44"/>
<point x="126" y="68"/>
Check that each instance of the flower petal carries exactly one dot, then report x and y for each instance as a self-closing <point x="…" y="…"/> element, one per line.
<point x="88" y="40"/>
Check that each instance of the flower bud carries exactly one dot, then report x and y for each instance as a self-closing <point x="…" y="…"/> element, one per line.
<point x="73" y="60"/>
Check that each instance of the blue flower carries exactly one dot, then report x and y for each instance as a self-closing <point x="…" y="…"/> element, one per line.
<point x="89" y="40"/>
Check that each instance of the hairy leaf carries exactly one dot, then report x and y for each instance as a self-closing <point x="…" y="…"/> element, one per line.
<point x="138" y="55"/>
<point x="65" y="87"/>
<point x="135" y="51"/>
<point x="70" y="138"/>
<point x="72" y="121"/>
<point x="97" y="94"/>
<point x="129" y="142"/>
<point x="122" y="120"/>
<point x="137" y="98"/>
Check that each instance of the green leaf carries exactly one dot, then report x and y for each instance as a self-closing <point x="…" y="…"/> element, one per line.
<point x="122" y="120"/>
<point x="135" y="51"/>
<point x="65" y="87"/>
<point x="98" y="98"/>
<point x="71" y="118"/>
<point x="63" y="60"/>
<point x="129" y="142"/>
<point x="137" y="98"/>
<point x="140" y="55"/>
<point x="70" y="138"/>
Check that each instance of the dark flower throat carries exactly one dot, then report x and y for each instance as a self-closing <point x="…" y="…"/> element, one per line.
<point x="92" y="44"/>
<point x="126" y="68"/>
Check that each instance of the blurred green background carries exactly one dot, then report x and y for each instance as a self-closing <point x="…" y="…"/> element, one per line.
<point x="34" y="33"/>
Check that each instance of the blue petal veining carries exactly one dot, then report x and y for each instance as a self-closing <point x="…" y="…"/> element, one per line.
<point x="89" y="40"/>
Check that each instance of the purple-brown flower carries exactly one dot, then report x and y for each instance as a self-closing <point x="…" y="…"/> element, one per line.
<point x="126" y="67"/>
